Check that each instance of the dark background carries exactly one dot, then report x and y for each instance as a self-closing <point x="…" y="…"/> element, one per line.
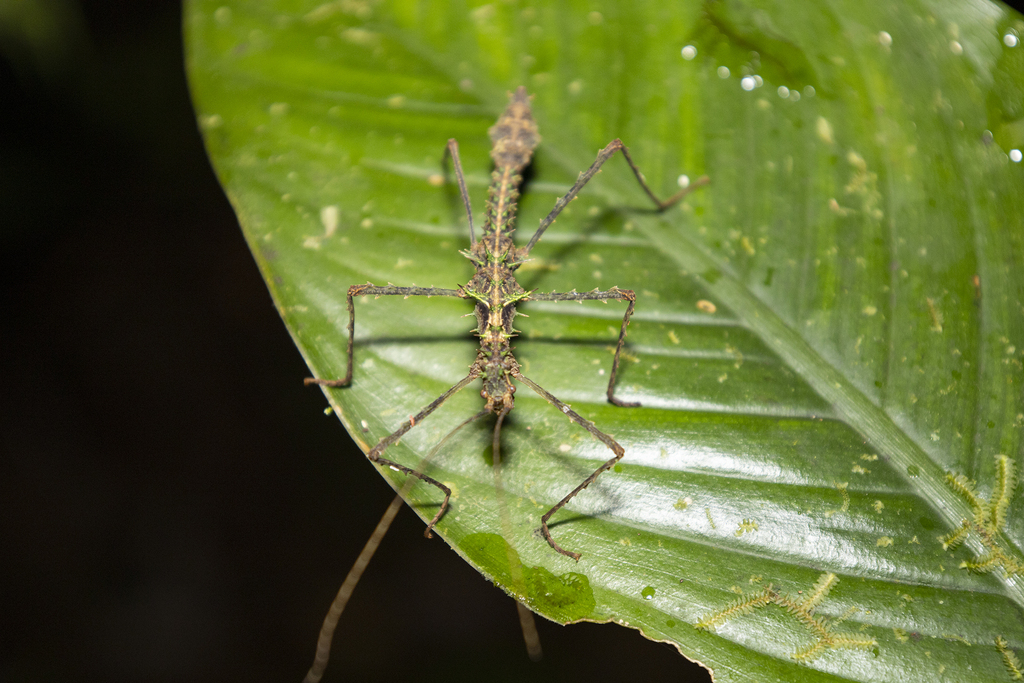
<point x="174" y="505"/>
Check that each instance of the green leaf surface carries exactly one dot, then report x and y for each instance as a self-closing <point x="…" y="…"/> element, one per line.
<point x="821" y="334"/>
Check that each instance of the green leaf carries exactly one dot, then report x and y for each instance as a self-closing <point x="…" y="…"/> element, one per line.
<point x="821" y="334"/>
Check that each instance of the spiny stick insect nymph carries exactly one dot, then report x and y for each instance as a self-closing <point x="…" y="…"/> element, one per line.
<point x="497" y="293"/>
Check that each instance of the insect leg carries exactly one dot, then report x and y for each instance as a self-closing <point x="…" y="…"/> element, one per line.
<point x="375" y="452"/>
<point x="613" y="293"/>
<point x="323" y="643"/>
<point x="452" y="150"/>
<point x="371" y="289"/>
<point x="603" y="156"/>
<point x="608" y="441"/>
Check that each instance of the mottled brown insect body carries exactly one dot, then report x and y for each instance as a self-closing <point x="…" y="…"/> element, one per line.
<point x="496" y="293"/>
<point x="494" y="286"/>
<point x="514" y="136"/>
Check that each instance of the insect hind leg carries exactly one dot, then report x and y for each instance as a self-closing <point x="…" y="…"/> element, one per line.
<point x="375" y="453"/>
<point x="323" y="646"/>
<point x="608" y="441"/>
<point x="422" y="477"/>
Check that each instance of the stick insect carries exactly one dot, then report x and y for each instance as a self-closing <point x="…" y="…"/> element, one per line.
<point x="496" y="294"/>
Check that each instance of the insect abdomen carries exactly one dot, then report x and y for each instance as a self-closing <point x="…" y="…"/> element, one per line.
<point x="514" y="136"/>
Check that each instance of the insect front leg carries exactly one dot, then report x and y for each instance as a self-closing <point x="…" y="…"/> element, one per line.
<point x="608" y="441"/>
<point x="452" y="150"/>
<point x="603" y="156"/>
<point x="595" y="295"/>
<point x="371" y="289"/>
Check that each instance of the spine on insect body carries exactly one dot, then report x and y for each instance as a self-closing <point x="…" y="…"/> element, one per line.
<point x="494" y="285"/>
<point x="513" y="138"/>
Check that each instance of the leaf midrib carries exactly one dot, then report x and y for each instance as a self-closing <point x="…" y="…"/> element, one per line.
<point x="850" y="404"/>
